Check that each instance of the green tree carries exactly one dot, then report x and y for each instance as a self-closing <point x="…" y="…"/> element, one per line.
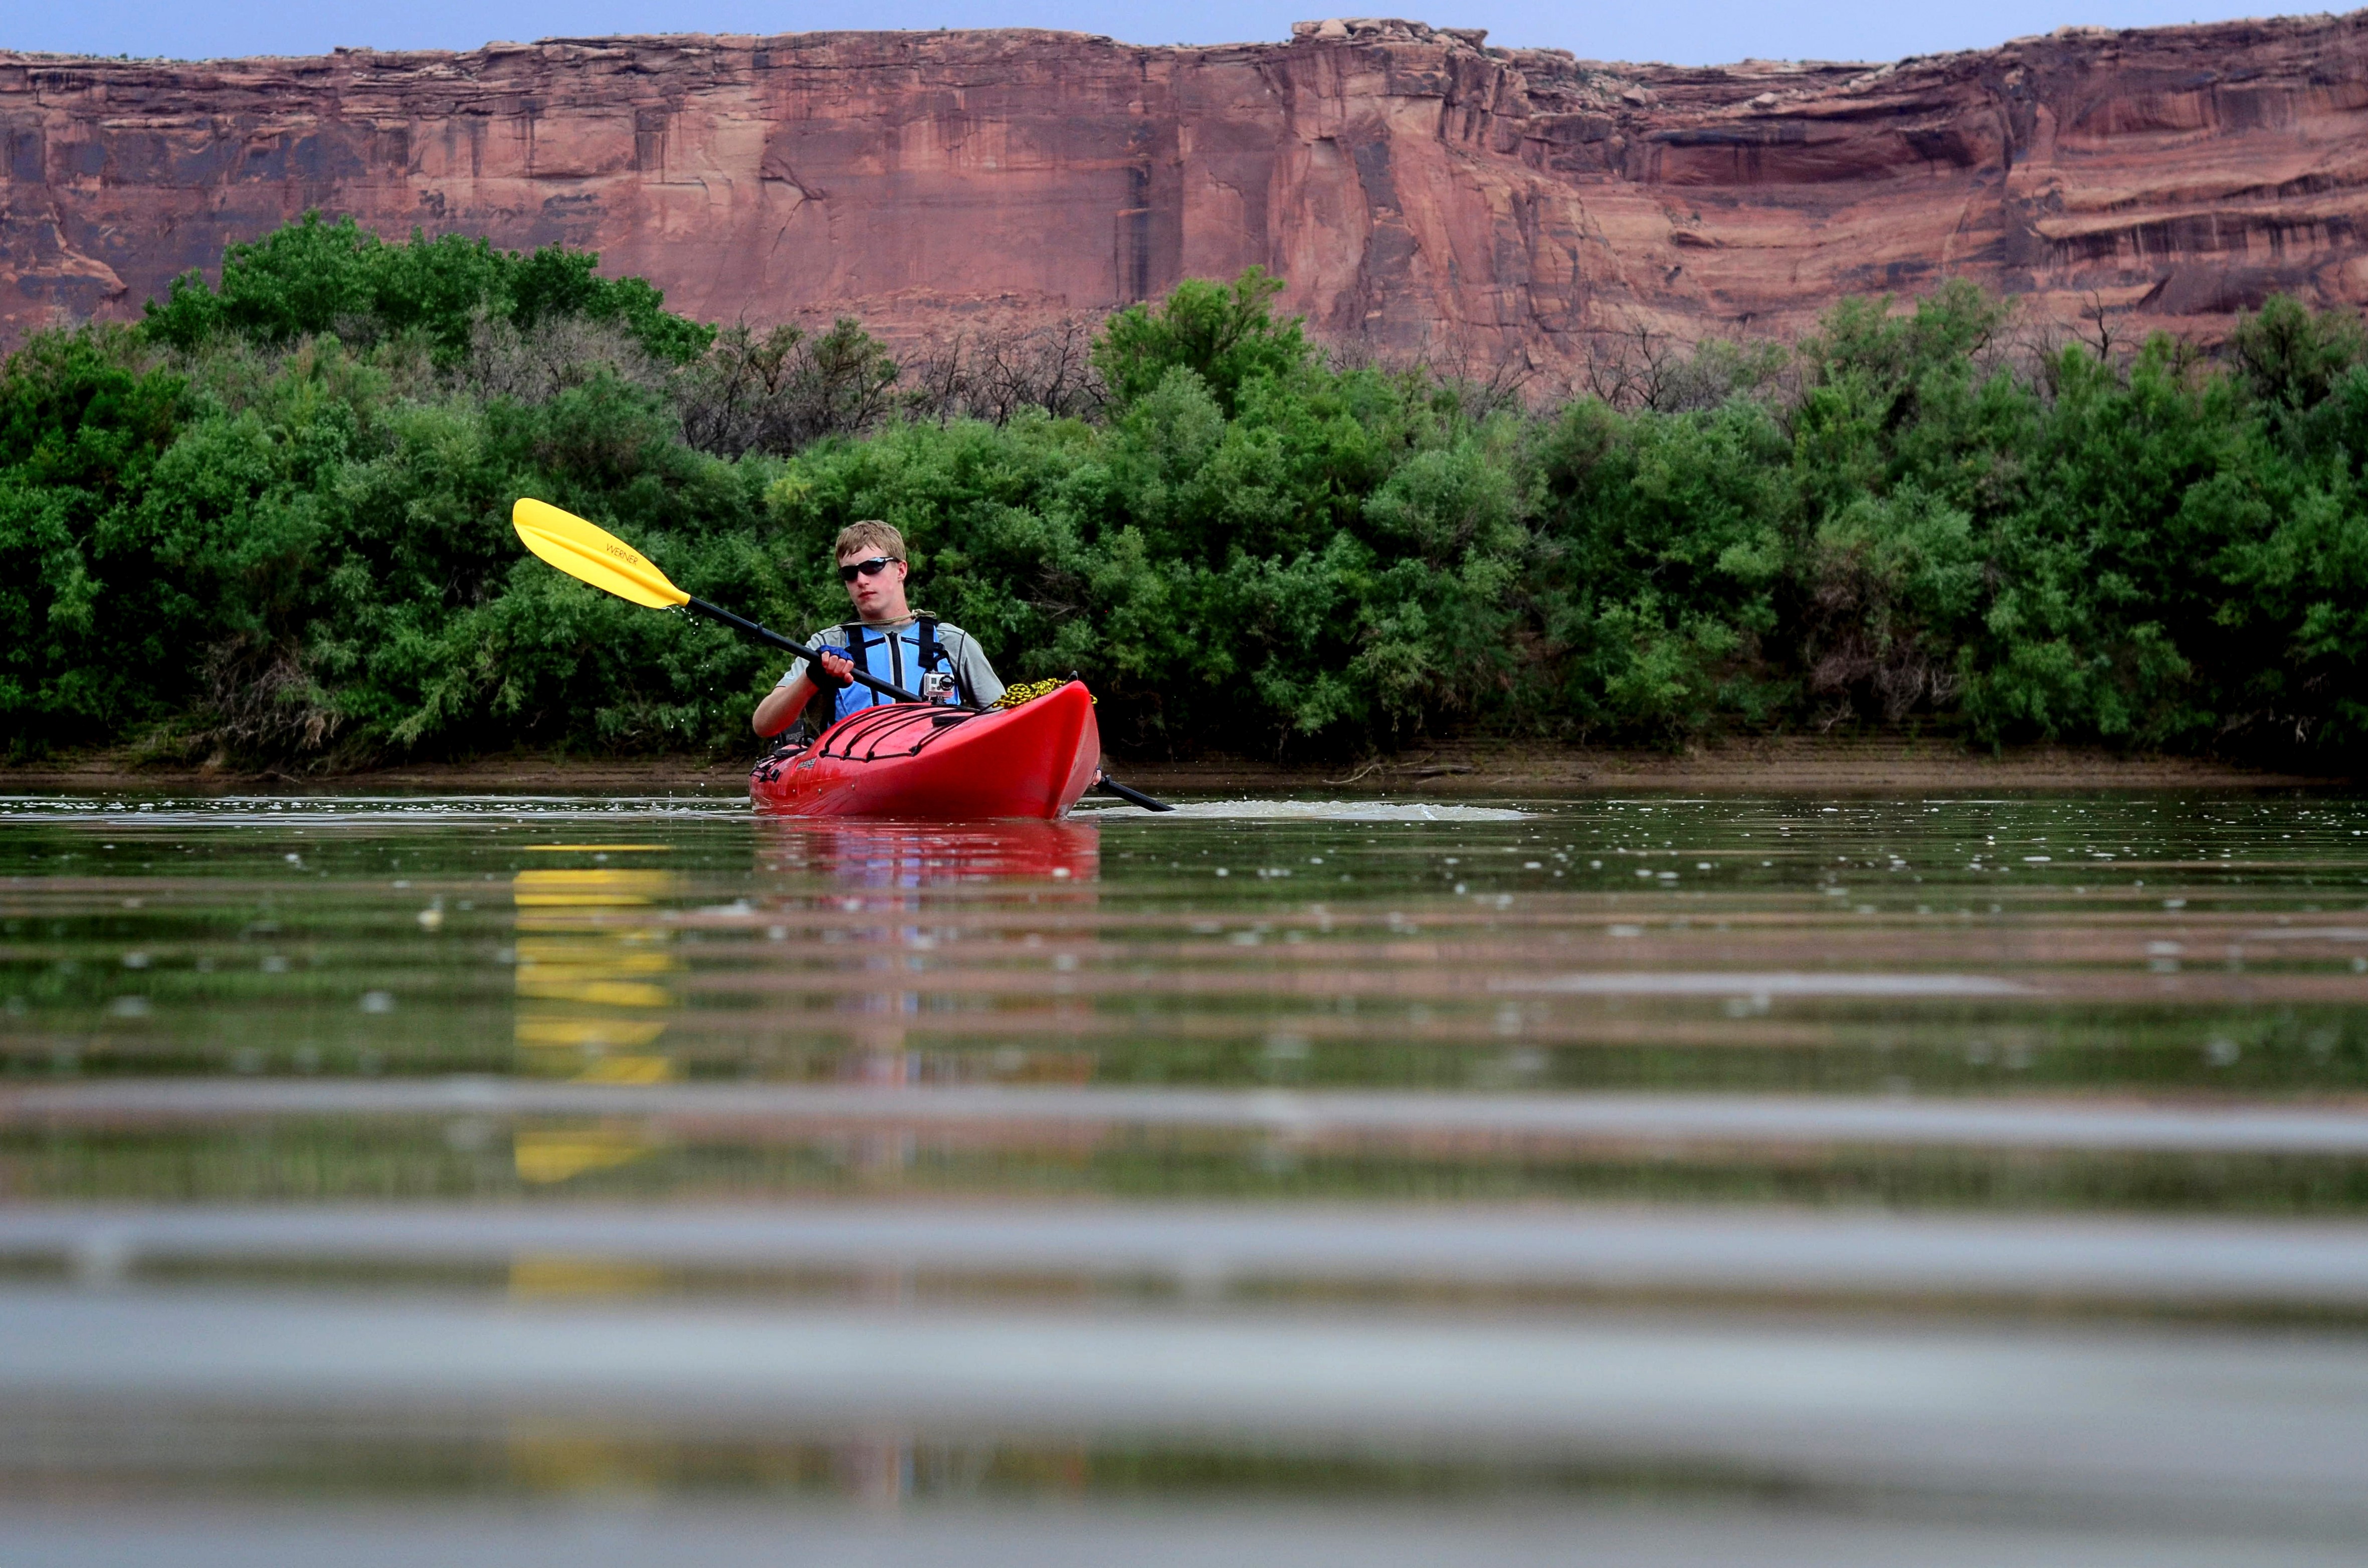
<point x="1225" y="334"/>
<point x="311" y="277"/>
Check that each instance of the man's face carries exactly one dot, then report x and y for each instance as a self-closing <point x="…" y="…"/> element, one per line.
<point x="880" y="597"/>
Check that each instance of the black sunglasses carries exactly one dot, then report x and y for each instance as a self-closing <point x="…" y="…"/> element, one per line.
<point x="871" y="568"/>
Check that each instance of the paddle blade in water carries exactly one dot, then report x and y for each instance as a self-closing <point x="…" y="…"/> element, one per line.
<point x="593" y="554"/>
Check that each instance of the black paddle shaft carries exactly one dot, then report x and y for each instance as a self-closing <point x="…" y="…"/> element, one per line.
<point x="1132" y="797"/>
<point x="810" y="656"/>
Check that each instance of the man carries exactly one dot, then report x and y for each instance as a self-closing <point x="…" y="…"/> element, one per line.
<point x="891" y="642"/>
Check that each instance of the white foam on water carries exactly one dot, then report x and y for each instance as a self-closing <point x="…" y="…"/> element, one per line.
<point x="1663" y="982"/>
<point x="1316" y="810"/>
<point x="279" y="811"/>
<point x="238" y="811"/>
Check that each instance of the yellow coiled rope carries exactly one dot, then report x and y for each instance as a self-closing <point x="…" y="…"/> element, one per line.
<point x="1029" y="691"/>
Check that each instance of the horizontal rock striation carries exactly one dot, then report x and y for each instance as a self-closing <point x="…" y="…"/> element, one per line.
<point x="1424" y="194"/>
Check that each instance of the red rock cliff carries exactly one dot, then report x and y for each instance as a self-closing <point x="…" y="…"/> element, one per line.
<point x="1421" y="192"/>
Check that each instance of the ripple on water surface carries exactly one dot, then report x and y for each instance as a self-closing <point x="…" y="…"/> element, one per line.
<point x="1126" y="1087"/>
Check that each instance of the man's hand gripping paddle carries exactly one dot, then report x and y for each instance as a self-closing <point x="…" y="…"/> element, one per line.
<point x="593" y="555"/>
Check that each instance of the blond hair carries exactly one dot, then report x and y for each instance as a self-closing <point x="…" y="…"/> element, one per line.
<point x="871" y="534"/>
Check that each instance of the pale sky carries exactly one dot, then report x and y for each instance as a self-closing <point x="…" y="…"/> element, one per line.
<point x="1680" y="31"/>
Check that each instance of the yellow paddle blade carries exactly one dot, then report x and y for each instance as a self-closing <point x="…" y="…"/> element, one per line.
<point x="592" y="554"/>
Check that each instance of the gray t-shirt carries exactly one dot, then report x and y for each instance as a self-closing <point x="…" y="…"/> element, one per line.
<point x="977" y="678"/>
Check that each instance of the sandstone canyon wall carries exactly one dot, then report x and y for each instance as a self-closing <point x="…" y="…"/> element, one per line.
<point x="1422" y="193"/>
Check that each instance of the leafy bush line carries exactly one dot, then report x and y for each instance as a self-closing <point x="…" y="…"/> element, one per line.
<point x="268" y="524"/>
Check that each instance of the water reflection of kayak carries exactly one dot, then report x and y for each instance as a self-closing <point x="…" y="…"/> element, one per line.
<point x="941" y="764"/>
<point x="868" y="855"/>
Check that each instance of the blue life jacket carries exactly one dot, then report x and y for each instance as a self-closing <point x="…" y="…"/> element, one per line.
<point x="899" y="656"/>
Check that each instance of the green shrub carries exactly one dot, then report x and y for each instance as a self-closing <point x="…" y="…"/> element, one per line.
<point x="270" y="523"/>
<point x="312" y="277"/>
<point x="1224" y="334"/>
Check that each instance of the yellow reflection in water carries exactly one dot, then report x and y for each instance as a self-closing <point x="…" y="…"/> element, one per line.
<point x="592" y="994"/>
<point x="567" y="1457"/>
<point x="596" y="888"/>
<point x="560" y="1275"/>
<point x="547" y="1154"/>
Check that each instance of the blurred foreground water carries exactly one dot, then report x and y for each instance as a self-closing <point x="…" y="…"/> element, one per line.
<point x="420" y="1180"/>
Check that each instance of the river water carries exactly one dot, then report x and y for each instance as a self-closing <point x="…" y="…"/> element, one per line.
<point x="1658" y="1179"/>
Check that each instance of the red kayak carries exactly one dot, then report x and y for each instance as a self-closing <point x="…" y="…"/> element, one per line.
<point x="940" y="763"/>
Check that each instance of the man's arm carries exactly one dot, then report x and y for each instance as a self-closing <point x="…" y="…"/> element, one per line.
<point x="786" y="701"/>
<point x="781" y="706"/>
